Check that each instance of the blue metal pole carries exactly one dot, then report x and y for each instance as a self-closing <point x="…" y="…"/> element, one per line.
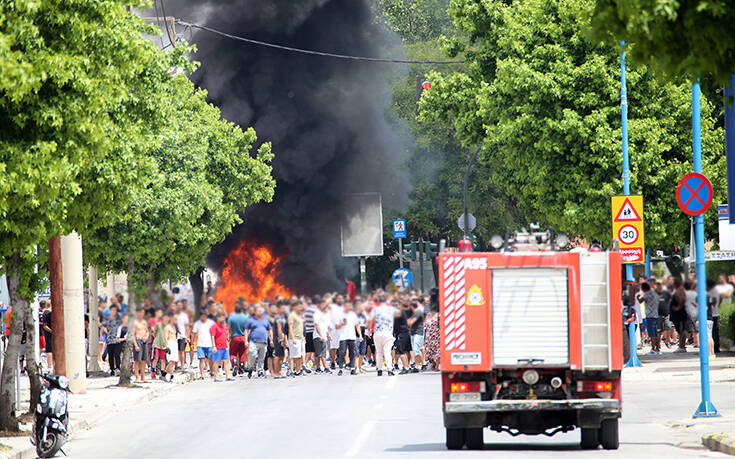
<point x="633" y="361"/>
<point x="624" y="119"/>
<point x="730" y="142"/>
<point x="648" y="263"/>
<point x="706" y="408"/>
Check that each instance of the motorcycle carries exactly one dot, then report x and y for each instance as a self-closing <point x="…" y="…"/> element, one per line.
<point x="52" y="416"/>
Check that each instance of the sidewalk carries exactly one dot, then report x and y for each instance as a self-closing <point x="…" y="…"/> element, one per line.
<point x="673" y="371"/>
<point x="102" y="400"/>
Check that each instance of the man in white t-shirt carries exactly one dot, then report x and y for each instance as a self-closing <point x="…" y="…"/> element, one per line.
<point x="204" y="343"/>
<point x="321" y="337"/>
<point x="183" y="330"/>
<point x="383" y="316"/>
<point x="349" y="330"/>
<point x="336" y="316"/>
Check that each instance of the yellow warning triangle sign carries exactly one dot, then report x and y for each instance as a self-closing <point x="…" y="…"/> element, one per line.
<point x="627" y="213"/>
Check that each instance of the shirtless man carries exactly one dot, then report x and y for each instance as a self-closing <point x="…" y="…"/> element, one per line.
<point x="169" y="333"/>
<point x="141" y="344"/>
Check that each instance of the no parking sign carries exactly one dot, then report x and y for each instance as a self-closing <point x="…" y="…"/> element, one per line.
<point x="694" y="194"/>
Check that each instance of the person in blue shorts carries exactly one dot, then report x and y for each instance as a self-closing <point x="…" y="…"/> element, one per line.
<point x="202" y="331"/>
<point x="220" y="350"/>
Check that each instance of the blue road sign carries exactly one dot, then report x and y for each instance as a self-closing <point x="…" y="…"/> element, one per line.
<point x="694" y="194"/>
<point x="399" y="228"/>
<point x="402" y="278"/>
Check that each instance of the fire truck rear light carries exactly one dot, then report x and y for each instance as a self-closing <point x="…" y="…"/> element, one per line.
<point x="468" y="386"/>
<point x="595" y="386"/>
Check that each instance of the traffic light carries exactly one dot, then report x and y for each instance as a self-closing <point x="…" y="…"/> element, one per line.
<point x="409" y="251"/>
<point x="675" y="257"/>
<point x="430" y="250"/>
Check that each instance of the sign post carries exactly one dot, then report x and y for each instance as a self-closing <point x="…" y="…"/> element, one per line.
<point x="399" y="232"/>
<point x="627" y="227"/>
<point x="694" y="196"/>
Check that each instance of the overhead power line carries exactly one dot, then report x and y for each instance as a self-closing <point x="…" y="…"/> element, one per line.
<point x="170" y="38"/>
<point x="308" y="51"/>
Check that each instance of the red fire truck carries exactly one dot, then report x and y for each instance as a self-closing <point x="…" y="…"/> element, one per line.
<point x="531" y="344"/>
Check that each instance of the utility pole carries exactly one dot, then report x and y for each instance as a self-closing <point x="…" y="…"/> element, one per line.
<point x="400" y="252"/>
<point x="56" y="279"/>
<point x="421" y="262"/>
<point x="473" y="158"/>
<point x="419" y="90"/>
<point x="363" y="278"/>
<point x="94" y="322"/>
<point x="75" y="354"/>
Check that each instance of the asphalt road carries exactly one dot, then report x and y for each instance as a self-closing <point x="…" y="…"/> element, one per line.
<point x="362" y="416"/>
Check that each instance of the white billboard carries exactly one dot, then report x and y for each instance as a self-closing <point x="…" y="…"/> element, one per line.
<point x="362" y="225"/>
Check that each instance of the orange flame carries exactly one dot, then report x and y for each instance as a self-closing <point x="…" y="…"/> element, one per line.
<point x="250" y="272"/>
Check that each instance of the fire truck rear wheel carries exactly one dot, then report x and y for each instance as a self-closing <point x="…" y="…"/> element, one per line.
<point x="590" y="438"/>
<point x="473" y="438"/>
<point x="455" y="438"/>
<point x="609" y="434"/>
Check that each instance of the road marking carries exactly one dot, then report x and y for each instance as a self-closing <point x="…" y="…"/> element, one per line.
<point x="367" y="428"/>
<point x="361" y="438"/>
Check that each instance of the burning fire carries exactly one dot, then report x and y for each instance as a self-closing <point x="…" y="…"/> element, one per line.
<point x="250" y="272"/>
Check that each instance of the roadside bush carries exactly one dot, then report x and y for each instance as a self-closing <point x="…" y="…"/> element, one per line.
<point x="727" y="321"/>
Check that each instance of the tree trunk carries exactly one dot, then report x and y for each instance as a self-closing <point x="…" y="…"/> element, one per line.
<point x="57" y="305"/>
<point x="154" y="292"/>
<point x="10" y="364"/>
<point x="127" y="357"/>
<point x="197" y="289"/>
<point x="31" y="364"/>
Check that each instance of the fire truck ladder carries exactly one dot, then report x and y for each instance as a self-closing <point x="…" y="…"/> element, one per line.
<point x="595" y="314"/>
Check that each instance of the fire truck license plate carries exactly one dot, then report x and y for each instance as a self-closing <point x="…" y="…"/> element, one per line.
<point x="465" y="397"/>
<point x="466" y="358"/>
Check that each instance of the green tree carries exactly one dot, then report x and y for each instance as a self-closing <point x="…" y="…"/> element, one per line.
<point x="438" y="159"/>
<point x="544" y="101"/>
<point x="204" y="174"/>
<point x="78" y="110"/>
<point x="414" y="20"/>
<point x="677" y="38"/>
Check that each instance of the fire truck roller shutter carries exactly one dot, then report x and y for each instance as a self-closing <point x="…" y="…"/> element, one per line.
<point x="530" y="308"/>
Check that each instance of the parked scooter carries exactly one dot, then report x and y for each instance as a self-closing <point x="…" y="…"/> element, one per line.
<point x="52" y="416"/>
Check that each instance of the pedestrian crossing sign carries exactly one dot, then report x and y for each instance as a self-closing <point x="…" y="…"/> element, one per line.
<point x="627" y="227"/>
<point x="627" y="212"/>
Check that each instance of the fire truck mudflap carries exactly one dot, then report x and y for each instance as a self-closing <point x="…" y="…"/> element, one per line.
<point x="530" y="344"/>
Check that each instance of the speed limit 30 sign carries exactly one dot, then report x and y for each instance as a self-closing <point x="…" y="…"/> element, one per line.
<point x="627" y="227"/>
<point x="628" y="234"/>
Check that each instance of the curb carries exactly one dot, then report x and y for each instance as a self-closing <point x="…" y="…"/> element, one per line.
<point x="90" y="421"/>
<point x="721" y="442"/>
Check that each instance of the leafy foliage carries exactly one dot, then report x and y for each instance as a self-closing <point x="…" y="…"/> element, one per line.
<point x="678" y="38"/>
<point x="79" y="110"/>
<point x="203" y="174"/>
<point x="77" y="104"/>
<point x="544" y="101"/>
<point x="414" y="20"/>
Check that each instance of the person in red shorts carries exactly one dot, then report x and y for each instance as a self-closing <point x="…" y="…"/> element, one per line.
<point x="238" y="346"/>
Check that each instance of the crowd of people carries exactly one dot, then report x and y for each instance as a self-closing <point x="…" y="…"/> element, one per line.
<point x="288" y="337"/>
<point x="668" y="312"/>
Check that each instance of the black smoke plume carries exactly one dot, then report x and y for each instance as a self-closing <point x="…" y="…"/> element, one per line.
<point x="326" y="118"/>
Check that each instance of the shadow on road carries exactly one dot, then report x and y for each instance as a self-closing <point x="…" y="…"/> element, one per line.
<point x="423" y="447"/>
